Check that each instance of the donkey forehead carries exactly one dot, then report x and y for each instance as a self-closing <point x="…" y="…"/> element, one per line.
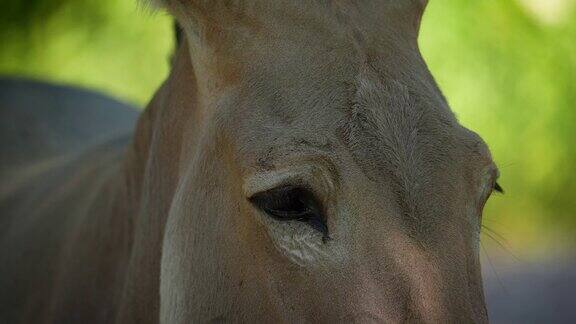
<point x="412" y="150"/>
<point x="391" y="127"/>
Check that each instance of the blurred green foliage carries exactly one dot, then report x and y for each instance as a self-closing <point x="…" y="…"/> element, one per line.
<point x="508" y="74"/>
<point x="113" y="46"/>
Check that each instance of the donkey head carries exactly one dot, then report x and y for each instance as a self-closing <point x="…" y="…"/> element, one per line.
<point x="321" y="175"/>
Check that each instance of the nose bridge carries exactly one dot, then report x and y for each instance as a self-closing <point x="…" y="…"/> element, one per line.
<point x="433" y="283"/>
<point x="410" y="214"/>
<point x="422" y="278"/>
<point x="438" y="288"/>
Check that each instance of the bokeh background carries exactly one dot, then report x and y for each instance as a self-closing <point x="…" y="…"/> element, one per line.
<point x="507" y="67"/>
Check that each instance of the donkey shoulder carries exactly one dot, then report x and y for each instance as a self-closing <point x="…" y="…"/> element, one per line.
<point x="59" y="149"/>
<point x="39" y="120"/>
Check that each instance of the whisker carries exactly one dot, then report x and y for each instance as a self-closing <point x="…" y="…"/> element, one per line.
<point x="507" y="165"/>
<point x="491" y="234"/>
<point x="495" y="220"/>
<point x="500" y="236"/>
<point x="500" y="283"/>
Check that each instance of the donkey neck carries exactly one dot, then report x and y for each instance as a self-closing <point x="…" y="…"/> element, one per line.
<point x="152" y="167"/>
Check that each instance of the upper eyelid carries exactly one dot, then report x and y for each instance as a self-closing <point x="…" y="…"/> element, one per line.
<point x="495" y="176"/>
<point x="494" y="172"/>
<point x="318" y="178"/>
<point x="262" y="182"/>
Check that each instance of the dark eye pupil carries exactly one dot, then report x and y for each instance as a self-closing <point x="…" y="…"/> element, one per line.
<point x="291" y="203"/>
<point x="284" y="202"/>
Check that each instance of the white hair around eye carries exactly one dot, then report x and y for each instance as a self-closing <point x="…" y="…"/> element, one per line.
<point x="301" y="244"/>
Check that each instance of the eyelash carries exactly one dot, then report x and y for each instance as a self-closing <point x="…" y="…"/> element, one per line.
<point x="498" y="188"/>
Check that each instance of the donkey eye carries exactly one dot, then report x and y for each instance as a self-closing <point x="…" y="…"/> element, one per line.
<point x="291" y="203"/>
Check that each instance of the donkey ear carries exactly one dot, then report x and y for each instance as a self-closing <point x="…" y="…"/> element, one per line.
<point x="211" y="23"/>
<point x="185" y="13"/>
